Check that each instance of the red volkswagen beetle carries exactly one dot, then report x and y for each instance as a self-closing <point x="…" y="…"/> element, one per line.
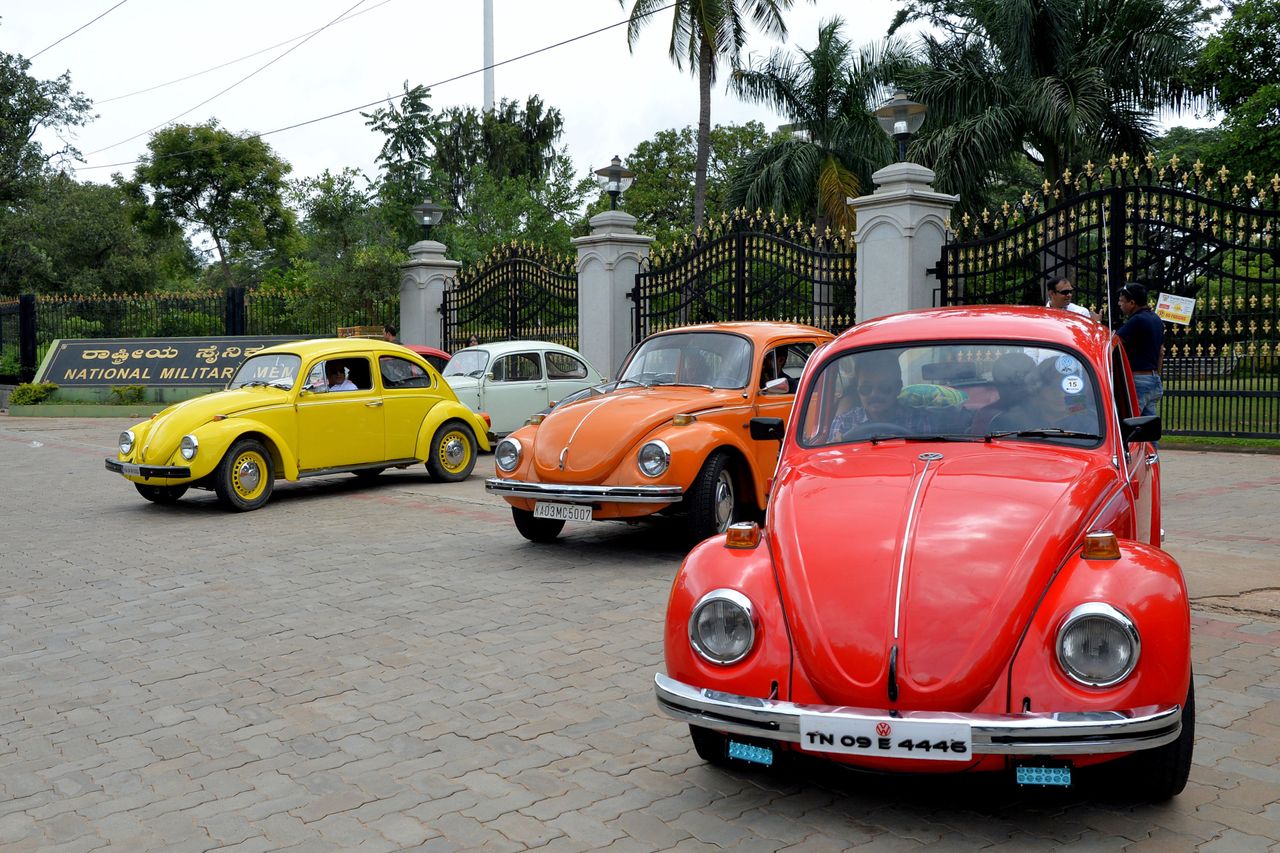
<point x="960" y="569"/>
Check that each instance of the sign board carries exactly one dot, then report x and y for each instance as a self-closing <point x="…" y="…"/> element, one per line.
<point x="1175" y="309"/>
<point x="168" y="362"/>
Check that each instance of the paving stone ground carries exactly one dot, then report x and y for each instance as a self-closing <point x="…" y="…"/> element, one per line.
<point x="392" y="667"/>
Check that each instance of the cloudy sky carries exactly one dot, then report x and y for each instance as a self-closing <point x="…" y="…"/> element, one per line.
<point x="611" y="99"/>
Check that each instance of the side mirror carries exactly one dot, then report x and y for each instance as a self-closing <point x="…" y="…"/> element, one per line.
<point x="777" y="387"/>
<point x="489" y="377"/>
<point x="1145" y="428"/>
<point x="765" y="429"/>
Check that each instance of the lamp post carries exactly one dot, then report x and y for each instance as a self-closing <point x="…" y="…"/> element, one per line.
<point x="428" y="214"/>
<point x="615" y="180"/>
<point x="900" y="117"/>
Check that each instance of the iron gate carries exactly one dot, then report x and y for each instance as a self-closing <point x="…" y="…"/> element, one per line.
<point x="748" y="267"/>
<point x="517" y="291"/>
<point x="1183" y="231"/>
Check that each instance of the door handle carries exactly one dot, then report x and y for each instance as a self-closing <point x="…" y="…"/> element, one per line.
<point x="373" y="404"/>
<point x="541" y="387"/>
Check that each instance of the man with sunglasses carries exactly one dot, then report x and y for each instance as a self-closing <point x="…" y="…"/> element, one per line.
<point x="1060" y="293"/>
<point x="877" y="381"/>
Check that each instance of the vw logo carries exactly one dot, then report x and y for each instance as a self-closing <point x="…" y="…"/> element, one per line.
<point x="884" y="729"/>
<point x="930" y="457"/>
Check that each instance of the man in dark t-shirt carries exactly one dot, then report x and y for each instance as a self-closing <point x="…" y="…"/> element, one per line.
<point x="1143" y="337"/>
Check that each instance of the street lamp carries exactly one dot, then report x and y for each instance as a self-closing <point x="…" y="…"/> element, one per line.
<point x="428" y="214"/>
<point x="900" y="117"/>
<point x="615" y="180"/>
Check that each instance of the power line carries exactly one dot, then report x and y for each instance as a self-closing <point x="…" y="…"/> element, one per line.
<point x="232" y="86"/>
<point x="437" y="84"/>
<point x="78" y="29"/>
<point x="232" y="61"/>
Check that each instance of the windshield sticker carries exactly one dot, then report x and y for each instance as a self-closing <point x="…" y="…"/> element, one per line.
<point x="1067" y="364"/>
<point x="1072" y="384"/>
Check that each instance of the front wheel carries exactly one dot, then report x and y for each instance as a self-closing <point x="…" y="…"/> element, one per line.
<point x="536" y="529"/>
<point x="712" y="501"/>
<point x="1156" y="775"/>
<point x="452" y="453"/>
<point x="160" y="494"/>
<point x="245" y="476"/>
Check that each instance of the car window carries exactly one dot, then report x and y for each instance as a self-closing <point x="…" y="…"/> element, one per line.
<point x="787" y="360"/>
<point x="280" y="369"/>
<point x="718" y="359"/>
<point x="402" y="373"/>
<point x="564" y="366"/>
<point x="467" y="362"/>
<point x="517" y="367"/>
<point x="349" y="373"/>
<point x="967" y="389"/>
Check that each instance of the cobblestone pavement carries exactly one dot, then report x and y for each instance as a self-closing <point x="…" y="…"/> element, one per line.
<point x="392" y="666"/>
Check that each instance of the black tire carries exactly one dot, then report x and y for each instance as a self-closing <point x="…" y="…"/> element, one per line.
<point x="452" y="454"/>
<point x="245" y="477"/>
<point x="1156" y="775"/>
<point x="160" y="494"/>
<point x="712" y="502"/>
<point x="366" y="475"/>
<point x="536" y="529"/>
<point x="712" y="747"/>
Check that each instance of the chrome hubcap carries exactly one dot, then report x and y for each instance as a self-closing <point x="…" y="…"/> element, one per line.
<point x="248" y="475"/>
<point x="454" y="451"/>
<point x="724" y="502"/>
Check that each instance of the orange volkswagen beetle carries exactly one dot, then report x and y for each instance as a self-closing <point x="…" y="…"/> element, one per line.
<point x="671" y="434"/>
<point x="960" y="570"/>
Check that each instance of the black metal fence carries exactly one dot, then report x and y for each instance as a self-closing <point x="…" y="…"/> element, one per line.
<point x="234" y="311"/>
<point x="748" y="267"/>
<point x="1188" y="232"/>
<point x="517" y="291"/>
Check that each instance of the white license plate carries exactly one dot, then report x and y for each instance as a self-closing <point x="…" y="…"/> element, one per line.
<point x="130" y="470"/>
<point x="887" y="738"/>
<point x="562" y="512"/>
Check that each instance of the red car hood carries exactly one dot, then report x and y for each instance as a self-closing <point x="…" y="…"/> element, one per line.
<point x="599" y="430"/>
<point x="992" y="522"/>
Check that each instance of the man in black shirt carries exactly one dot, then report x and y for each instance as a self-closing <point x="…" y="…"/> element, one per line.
<point x="1143" y="337"/>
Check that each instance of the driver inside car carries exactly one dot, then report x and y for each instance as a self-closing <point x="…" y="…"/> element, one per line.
<point x="877" y="379"/>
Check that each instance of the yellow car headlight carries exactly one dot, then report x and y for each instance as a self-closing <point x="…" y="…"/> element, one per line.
<point x="126" y="441"/>
<point x="189" y="447"/>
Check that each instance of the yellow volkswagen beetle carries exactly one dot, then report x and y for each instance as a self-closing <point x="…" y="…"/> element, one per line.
<point x="304" y="409"/>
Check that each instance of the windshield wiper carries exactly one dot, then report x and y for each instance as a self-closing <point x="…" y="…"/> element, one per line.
<point x="253" y="383"/>
<point x="942" y="436"/>
<point x="1042" y="432"/>
<point x="621" y="382"/>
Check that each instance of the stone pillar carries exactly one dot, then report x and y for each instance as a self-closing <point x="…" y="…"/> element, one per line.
<point x="422" y="282"/>
<point x="608" y="260"/>
<point x="901" y="229"/>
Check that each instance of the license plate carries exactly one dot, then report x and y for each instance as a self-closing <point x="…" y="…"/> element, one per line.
<point x="888" y="738"/>
<point x="562" y="512"/>
<point x="130" y="470"/>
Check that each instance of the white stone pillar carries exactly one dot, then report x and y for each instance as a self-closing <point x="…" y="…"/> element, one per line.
<point x="901" y="230"/>
<point x="422" y="283"/>
<point x="608" y="260"/>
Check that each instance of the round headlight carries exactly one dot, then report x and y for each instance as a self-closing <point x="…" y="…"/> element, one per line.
<point x="507" y="455"/>
<point x="189" y="447"/>
<point x="126" y="441"/>
<point x="1098" y="645"/>
<point x="654" y="458"/>
<point x="722" y="627"/>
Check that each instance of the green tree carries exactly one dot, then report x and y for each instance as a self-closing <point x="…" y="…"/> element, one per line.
<point x="227" y="187"/>
<point x="410" y="132"/>
<point x="703" y="32"/>
<point x="1056" y="82"/>
<point x="835" y="142"/>
<point x="661" y="199"/>
<point x="27" y="106"/>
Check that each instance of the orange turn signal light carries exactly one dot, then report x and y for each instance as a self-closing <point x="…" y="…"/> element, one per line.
<point x="534" y="420"/>
<point x="744" y="534"/>
<point x="683" y="420"/>
<point x="1101" y="545"/>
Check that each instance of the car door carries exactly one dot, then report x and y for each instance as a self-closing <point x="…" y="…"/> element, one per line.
<point x="514" y="389"/>
<point x="340" y="428"/>
<point x="408" y="392"/>
<point x="1142" y="463"/>
<point x="784" y="361"/>
<point x="566" y="374"/>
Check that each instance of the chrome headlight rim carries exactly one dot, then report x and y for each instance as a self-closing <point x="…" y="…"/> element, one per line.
<point x="664" y="458"/>
<point x="1099" y="610"/>
<point x="126" y="441"/>
<point x="189" y="447"/>
<point x="516" y="450"/>
<point x="732" y="596"/>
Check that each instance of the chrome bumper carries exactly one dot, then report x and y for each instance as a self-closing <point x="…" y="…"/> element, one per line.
<point x="1060" y="733"/>
<point x="149" y="472"/>
<point x="584" y="494"/>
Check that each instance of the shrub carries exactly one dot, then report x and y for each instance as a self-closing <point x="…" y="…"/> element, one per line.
<point x="128" y="395"/>
<point x="31" y="393"/>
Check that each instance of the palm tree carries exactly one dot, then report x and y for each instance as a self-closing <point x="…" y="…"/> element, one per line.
<point x="1054" y="82"/>
<point x="702" y="33"/>
<point x="835" y="143"/>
